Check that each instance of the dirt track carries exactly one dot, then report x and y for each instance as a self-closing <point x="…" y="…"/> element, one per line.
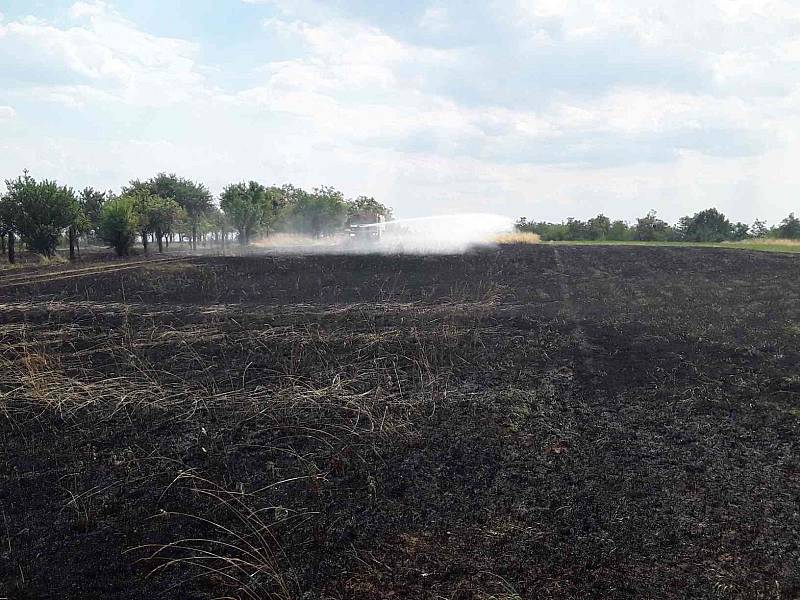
<point x="13" y="279"/>
<point x="534" y="422"/>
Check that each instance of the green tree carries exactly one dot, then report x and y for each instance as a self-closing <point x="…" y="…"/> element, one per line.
<point x="708" y="225"/>
<point x="194" y="198"/>
<point x="43" y="211"/>
<point x="77" y="228"/>
<point x="652" y="229"/>
<point x="619" y="231"/>
<point x="789" y="228"/>
<point x="524" y="225"/>
<point x="119" y="222"/>
<point x="316" y="214"/>
<point x="740" y="231"/>
<point x="141" y="198"/>
<point x="219" y="224"/>
<point x="368" y="205"/>
<point x="249" y="207"/>
<point x="161" y="215"/>
<point x="549" y="232"/>
<point x="91" y="202"/>
<point x="599" y="227"/>
<point x="759" y="229"/>
<point x="577" y="229"/>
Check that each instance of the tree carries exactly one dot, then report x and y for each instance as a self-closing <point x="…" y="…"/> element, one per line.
<point x="577" y="229"/>
<point x="708" y="225"/>
<point x="248" y="206"/>
<point x="78" y="227"/>
<point x="316" y="214"/>
<point x="740" y="231"/>
<point x="119" y="222"/>
<point x="650" y="228"/>
<point x="599" y="227"/>
<point x="161" y="215"/>
<point x="367" y="205"/>
<point x="219" y="224"/>
<point x="43" y="211"/>
<point x="522" y="224"/>
<point x="9" y="209"/>
<point x="141" y="198"/>
<point x="91" y="202"/>
<point x="789" y="228"/>
<point x="194" y="198"/>
<point x="759" y="229"/>
<point x="619" y="231"/>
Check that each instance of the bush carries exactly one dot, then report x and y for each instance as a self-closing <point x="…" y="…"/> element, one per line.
<point x="652" y="229"/>
<point x="119" y="223"/>
<point x="706" y="226"/>
<point x="42" y="211"/>
<point x="789" y="228"/>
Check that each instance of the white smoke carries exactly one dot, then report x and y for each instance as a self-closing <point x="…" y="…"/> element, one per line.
<point x="438" y="234"/>
<point x="441" y="234"/>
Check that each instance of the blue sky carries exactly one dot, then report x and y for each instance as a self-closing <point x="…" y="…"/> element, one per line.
<point x="544" y="108"/>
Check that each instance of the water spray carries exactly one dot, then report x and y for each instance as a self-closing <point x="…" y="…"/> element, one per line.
<point x="439" y="233"/>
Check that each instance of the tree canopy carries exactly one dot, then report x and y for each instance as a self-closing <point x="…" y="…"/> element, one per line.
<point x="91" y="203"/>
<point x="318" y="213"/>
<point x="249" y="207"/>
<point x="708" y="225"/>
<point x="40" y="211"/>
<point x="194" y="198"/>
<point x="790" y="228"/>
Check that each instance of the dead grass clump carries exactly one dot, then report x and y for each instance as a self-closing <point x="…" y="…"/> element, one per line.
<point x="45" y="260"/>
<point x="240" y="550"/>
<point x="518" y="237"/>
<point x="773" y="242"/>
<point x="283" y="240"/>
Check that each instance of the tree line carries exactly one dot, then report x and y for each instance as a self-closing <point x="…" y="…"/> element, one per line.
<point x="709" y="225"/>
<point x="42" y="214"/>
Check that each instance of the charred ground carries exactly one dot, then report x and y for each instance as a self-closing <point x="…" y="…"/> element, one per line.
<point x="530" y="422"/>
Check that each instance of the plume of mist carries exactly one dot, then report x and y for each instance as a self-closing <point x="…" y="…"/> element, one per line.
<point x="440" y="234"/>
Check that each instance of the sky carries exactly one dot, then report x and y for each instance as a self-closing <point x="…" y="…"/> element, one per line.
<point x="542" y="108"/>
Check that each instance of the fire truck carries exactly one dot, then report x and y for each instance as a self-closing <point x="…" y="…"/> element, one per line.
<point x="366" y="226"/>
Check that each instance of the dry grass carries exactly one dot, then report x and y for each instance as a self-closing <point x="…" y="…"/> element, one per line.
<point x="322" y="410"/>
<point x="770" y="242"/>
<point x="243" y="554"/>
<point x="518" y="237"/>
<point x="291" y="240"/>
<point x="46" y="261"/>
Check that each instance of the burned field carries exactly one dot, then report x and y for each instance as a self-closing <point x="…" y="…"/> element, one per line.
<point x="529" y="422"/>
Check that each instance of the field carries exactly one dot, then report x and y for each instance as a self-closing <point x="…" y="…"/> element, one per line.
<point x="534" y="421"/>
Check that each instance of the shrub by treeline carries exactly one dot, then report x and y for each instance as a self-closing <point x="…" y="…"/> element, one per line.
<point x="42" y="213"/>
<point x="705" y="226"/>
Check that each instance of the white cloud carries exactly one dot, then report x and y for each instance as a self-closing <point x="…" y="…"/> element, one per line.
<point x="7" y="113"/>
<point x="435" y="19"/>
<point x="103" y="53"/>
<point x="83" y="9"/>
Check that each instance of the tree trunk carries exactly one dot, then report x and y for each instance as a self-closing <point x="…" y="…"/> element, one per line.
<point x="144" y="241"/>
<point x="2" y="243"/>
<point x="72" y="243"/>
<point x="12" y="255"/>
<point x="160" y="238"/>
<point x="194" y="236"/>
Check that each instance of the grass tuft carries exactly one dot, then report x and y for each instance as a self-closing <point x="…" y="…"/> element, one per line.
<point x="519" y="237"/>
